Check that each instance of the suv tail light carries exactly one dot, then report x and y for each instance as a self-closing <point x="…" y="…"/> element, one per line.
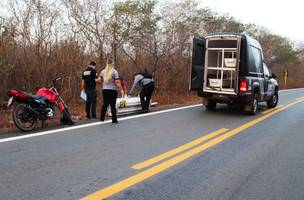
<point x="243" y="86"/>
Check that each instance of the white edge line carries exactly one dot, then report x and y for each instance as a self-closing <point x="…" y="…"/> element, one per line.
<point x="105" y="122"/>
<point x="286" y="90"/>
<point x="93" y="124"/>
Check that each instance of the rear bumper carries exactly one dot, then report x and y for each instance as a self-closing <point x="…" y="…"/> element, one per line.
<point x="241" y="98"/>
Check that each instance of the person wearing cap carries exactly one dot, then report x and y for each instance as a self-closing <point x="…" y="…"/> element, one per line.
<point x="146" y="81"/>
<point x="88" y="84"/>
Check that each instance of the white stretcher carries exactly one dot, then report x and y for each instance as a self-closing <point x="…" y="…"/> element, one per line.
<point x="129" y="105"/>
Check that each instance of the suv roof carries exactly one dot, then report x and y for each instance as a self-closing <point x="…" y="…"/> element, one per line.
<point x="244" y="36"/>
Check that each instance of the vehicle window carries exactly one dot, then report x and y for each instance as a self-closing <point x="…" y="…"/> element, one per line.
<point x="266" y="71"/>
<point x="255" y="60"/>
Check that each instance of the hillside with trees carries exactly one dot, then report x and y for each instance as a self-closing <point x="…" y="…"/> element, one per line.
<point x="43" y="39"/>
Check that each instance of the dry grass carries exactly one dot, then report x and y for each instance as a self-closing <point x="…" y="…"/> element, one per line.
<point x="174" y="99"/>
<point x="6" y="123"/>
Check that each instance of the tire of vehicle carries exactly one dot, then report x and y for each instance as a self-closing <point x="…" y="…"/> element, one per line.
<point x="272" y="103"/>
<point x="254" y="104"/>
<point x="21" y="116"/>
<point x="211" y="105"/>
<point x="66" y="117"/>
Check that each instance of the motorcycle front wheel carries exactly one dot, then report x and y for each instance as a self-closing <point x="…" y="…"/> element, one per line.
<point x="66" y="117"/>
<point x="23" y="118"/>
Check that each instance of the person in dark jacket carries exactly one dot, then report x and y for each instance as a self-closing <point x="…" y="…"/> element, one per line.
<point x="88" y="84"/>
<point x="146" y="81"/>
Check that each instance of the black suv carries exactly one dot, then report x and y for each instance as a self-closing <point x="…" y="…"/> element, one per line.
<point x="229" y="68"/>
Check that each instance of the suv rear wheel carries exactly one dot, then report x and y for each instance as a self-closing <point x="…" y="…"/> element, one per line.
<point x="254" y="104"/>
<point x="211" y="105"/>
<point x="271" y="103"/>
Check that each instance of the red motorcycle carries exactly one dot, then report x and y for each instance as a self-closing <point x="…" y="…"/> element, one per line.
<point x="31" y="108"/>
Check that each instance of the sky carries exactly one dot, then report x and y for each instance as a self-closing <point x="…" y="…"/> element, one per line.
<point x="283" y="17"/>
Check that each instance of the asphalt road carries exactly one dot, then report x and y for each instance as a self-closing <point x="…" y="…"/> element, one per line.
<point x="192" y="153"/>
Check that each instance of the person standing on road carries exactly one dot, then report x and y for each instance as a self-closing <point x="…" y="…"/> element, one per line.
<point x="111" y="84"/>
<point x="146" y="81"/>
<point x="88" y="84"/>
<point x="124" y="88"/>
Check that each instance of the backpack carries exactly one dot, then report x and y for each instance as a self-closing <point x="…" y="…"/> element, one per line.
<point x="146" y="74"/>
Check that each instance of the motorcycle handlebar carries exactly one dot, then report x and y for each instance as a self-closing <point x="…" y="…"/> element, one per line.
<point x="57" y="79"/>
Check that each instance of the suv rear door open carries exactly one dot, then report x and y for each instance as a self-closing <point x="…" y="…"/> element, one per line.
<point x="222" y="64"/>
<point x="215" y="64"/>
<point x="198" y="62"/>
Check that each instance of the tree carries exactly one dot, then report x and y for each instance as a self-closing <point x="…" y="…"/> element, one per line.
<point x="133" y="27"/>
<point x="34" y="26"/>
<point x="222" y="23"/>
<point x="88" y="20"/>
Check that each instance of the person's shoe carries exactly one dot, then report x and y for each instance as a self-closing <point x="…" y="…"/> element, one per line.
<point x="115" y="122"/>
<point x="89" y="117"/>
<point x="102" y="119"/>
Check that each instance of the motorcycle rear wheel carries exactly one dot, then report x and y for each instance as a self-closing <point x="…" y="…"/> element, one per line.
<point x="23" y="119"/>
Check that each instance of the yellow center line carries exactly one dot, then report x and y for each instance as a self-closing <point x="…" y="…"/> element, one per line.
<point x="272" y="109"/>
<point x="135" y="179"/>
<point x="178" y="150"/>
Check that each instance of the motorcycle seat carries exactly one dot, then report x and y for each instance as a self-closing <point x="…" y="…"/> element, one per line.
<point x="37" y="97"/>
